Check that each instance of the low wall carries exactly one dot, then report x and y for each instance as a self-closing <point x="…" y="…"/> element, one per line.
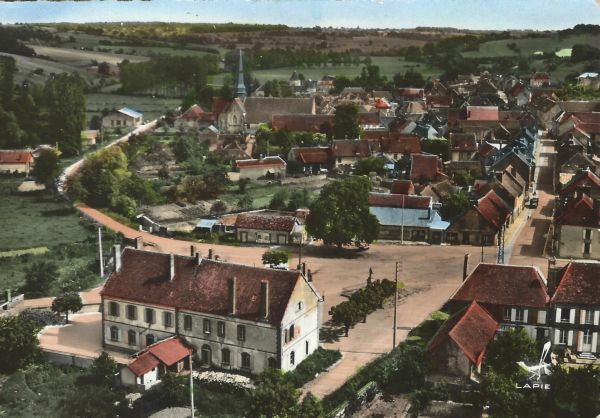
<point x="364" y="395"/>
<point x="64" y="359"/>
<point x="303" y="180"/>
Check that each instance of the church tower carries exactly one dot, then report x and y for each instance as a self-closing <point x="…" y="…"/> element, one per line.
<point x="241" y="87"/>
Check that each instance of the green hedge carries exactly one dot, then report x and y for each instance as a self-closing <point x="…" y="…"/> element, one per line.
<point x="317" y="362"/>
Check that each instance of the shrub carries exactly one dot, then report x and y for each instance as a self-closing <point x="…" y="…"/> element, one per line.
<point x="316" y="363"/>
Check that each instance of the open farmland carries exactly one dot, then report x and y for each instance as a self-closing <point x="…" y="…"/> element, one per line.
<point x="78" y="57"/>
<point x="26" y="67"/>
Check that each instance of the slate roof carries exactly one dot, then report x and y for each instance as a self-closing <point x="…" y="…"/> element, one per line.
<point x="168" y="352"/>
<point x="579" y="284"/>
<point x="500" y="284"/>
<point x="16" y="157"/>
<point x="262" y="109"/>
<point x="417" y="218"/>
<point x="472" y="329"/>
<point x="144" y="278"/>
<point x="399" y="201"/>
<point x="130" y="112"/>
<point x="266" y="221"/>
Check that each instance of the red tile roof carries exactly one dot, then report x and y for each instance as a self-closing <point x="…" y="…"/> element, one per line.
<point x="485" y="149"/>
<point x="493" y="209"/>
<point x="580" y="212"/>
<point x="312" y="155"/>
<point x="301" y="122"/>
<point x="489" y="113"/>
<point x="167" y="352"/>
<point x="16" y="157"/>
<point x="579" y="284"/>
<point x="266" y="221"/>
<point x="412" y="93"/>
<point x="401" y="144"/>
<point x="472" y="329"/>
<point x="399" y="200"/>
<point x="402" y="187"/>
<point x="585" y="177"/>
<point x="264" y="163"/>
<point x="219" y="105"/>
<point x="144" y="278"/>
<point x="350" y="148"/>
<point x="500" y="284"/>
<point x="425" y="168"/>
<point x="463" y="142"/>
<point x="195" y="112"/>
<point x="381" y="103"/>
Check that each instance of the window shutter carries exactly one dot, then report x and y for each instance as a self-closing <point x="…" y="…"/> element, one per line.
<point x="541" y="317"/>
<point x="558" y="313"/>
<point x="579" y="340"/>
<point x="572" y="316"/>
<point x="594" y="342"/>
<point x="596" y="317"/>
<point x="513" y="315"/>
<point x="556" y="336"/>
<point x="570" y="338"/>
<point x="525" y="315"/>
<point x="582" y="316"/>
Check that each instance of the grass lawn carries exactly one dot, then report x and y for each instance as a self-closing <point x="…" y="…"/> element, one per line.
<point x="40" y="219"/>
<point x="261" y="193"/>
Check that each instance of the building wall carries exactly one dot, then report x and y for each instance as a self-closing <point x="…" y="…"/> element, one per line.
<point x="394" y="232"/>
<point x="119" y="120"/>
<point x="276" y="237"/>
<point x="574" y="326"/>
<point x="571" y="242"/>
<point x="255" y="173"/>
<point x="450" y="359"/>
<point x="469" y="230"/>
<point x="11" y="168"/>
<point x="231" y="121"/>
<point x="461" y="155"/>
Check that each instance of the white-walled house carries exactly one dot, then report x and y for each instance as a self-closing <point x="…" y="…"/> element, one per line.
<point x="122" y="118"/>
<point x="234" y="316"/>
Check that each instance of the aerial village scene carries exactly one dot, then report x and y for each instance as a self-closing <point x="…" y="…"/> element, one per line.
<point x="300" y="209"/>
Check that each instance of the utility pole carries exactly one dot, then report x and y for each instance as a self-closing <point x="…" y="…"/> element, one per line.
<point x="100" y="251"/>
<point x="191" y="387"/>
<point x="398" y="269"/>
<point x="402" y="224"/>
<point x="300" y="251"/>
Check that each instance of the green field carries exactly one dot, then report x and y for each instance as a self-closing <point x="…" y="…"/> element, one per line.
<point x="528" y="46"/>
<point x="388" y="67"/>
<point x="150" y="107"/>
<point x="261" y="193"/>
<point x="40" y="219"/>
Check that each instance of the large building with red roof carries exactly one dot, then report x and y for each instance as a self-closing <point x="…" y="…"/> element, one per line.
<point x="233" y="316"/>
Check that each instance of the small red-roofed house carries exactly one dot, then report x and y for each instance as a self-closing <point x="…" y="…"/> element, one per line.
<point x="515" y="296"/>
<point x="151" y="364"/>
<point x="15" y="161"/>
<point x="462" y="146"/>
<point x="270" y="227"/>
<point x="267" y="167"/>
<point x="312" y="159"/>
<point x="459" y="346"/>
<point x="426" y="168"/>
<point x="194" y="118"/>
<point x="576" y="304"/>
<point x="540" y="80"/>
<point x="577" y="229"/>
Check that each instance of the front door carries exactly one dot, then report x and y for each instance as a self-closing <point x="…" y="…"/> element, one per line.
<point x="465" y="238"/>
<point x="587" y="341"/>
<point x="243" y="236"/>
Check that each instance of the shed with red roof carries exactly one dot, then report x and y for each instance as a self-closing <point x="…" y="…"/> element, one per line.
<point x="15" y="161"/>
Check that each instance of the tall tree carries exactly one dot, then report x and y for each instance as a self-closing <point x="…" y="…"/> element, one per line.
<point x="345" y="121"/>
<point x="39" y="275"/>
<point x="46" y="167"/>
<point x="8" y="69"/>
<point x="276" y="396"/>
<point x="67" y="302"/>
<point x="341" y="215"/>
<point x="507" y="349"/>
<point x="18" y="342"/>
<point x="10" y="132"/>
<point x="65" y="99"/>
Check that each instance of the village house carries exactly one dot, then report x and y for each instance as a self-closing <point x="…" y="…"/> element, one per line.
<point x="194" y="118"/>
<point x="589" y="81"/>
<point x="150" y="364"/>
<point x="439" y="192"/>
<point x="481" y="223"/>
<point x="346" y="152"/>
<point x="515" y="296"/>
<point x="271" y="227"/>
<point x="395" y="146"/>
<point x="15" y="161"/>
<point x="459" y="346"/>
<point x="576" y="305"/>
<point x="402" y="187"/>
<point x="122" y="118"/>
<point x="311" y="159"/>
<point x="407" y="218"/>
<point x="233" y="316"/>
<point x="267" y="167"/>
<point x="300" y="122"/>
<point x="540" y="80"/>
<point x="571" y="158"/>
<point x="462" y="146"/>
<point x="426" y="168"/>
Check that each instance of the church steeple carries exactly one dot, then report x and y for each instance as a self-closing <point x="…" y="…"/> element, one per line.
<point x="241" y="87"/>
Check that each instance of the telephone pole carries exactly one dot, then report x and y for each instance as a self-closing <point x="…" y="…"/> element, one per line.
<point x="100" y="251"/>
<point x="398" y="269"/>
<point x="191" y="387"/>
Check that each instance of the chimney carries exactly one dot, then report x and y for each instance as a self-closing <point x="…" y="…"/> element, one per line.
<point x="117" y="256"/>
<point x="231" y="295"/>
<point x="309" y="275"/>
<point x="210" y="253"/>
<point x="171" y="266"/>
<point x="138" y="244"/>
<point x="466" y="267"/>
<point x="264" y="300"/>
<point x="192" y="250"/>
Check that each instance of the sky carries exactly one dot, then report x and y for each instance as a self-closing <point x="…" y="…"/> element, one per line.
<point x="464" y="14"/>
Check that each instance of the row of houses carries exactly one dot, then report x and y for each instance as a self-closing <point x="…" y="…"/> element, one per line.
<point x="563" y="308"/>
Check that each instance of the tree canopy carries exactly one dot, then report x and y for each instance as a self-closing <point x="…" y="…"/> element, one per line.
<point x="46" y="167"/>
<point x="66" y="302"/>
<point x="341" y="216"/>
<point x="18" y="342"/>
<point x="345" y="121"/>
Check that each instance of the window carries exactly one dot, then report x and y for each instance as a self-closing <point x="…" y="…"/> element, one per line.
<point x="206" y="326"/>
<point x="245" y="361"/>
<point x="114" y="334"/>
<point x="562" y="337"/>
<point x="587" y="234"/>
<point x="272" y="363"/>
<point x="150" y="339"/>
<point x="520" y="315"/>
<point x="300" y="306"/>
<point x="564" y="315"/>
<point x="113" y="309"/>
<point x="167" y="319"/>
<point x="221" y="329"/>
<point x="306" y="347"/>
<point x="131" y="312"/>
<point x="588" y="317"/>
<point x="149" y="315"/>
<point x="187" y="322"/>
<point x="241" y="333"/>
<point x="293" y="358"/>
<point x="507" y="314"/>
<point x="291" y="332"/>
<point x="586" y="248"/>
<point x="206" y="355"/>
<point x="587" y="337"/>
<point x="131" y="337"/>
<point x="225" y="357"/>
